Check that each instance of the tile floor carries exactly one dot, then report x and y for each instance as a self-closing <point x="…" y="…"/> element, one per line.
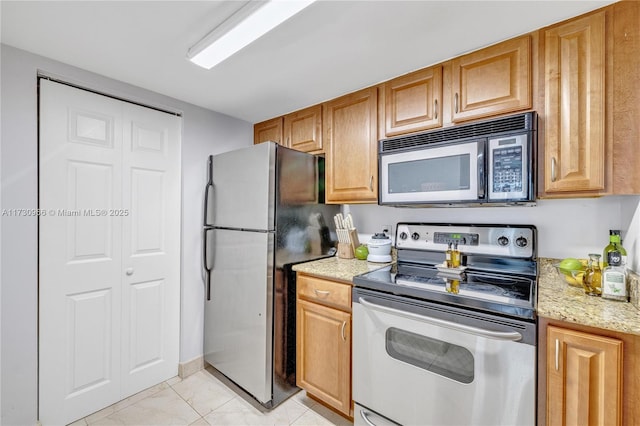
<point x="201" y="399"/>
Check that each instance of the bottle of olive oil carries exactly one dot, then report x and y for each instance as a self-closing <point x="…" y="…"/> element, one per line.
<point x="455" y="256"/>
<point x="447" y="257"/>
<point x="614" y="278"/>
<point x="592" y="282"/>
<point x="614" y="245"/>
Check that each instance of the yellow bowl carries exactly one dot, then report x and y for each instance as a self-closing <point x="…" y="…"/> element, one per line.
<point x="573" y="277"/>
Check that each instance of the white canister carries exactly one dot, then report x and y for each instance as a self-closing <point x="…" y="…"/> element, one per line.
<point x="379" y="247"/>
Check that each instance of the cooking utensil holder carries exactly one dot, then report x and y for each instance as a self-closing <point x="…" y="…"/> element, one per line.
<point x="345" y="251"/>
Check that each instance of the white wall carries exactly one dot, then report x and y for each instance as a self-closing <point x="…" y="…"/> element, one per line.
<point x="566" y="228"/>
<point x="631" y="237"/>
<point x="204" y="132"/>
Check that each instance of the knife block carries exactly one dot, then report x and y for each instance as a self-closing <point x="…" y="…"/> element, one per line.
<point x="345" y="251"/>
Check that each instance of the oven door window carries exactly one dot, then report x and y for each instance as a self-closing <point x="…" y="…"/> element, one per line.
<point x="440" y="357"/>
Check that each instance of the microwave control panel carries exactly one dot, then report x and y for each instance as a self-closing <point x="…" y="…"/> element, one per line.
<point x="509" y="168"/>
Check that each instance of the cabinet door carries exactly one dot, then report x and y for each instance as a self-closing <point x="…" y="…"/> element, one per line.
<point x="303" y="129"/>
<point x="492" y="81"/>
<point x="575" y="106"/>
<point x="323" y="361"/>
<point x="584" y="383"/>
<point x="413" y="102"/>
<point x="349" y="132"/>
<point x="270" y="130"/>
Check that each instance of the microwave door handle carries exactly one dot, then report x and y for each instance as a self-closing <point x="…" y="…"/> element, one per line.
<point x="481" y="180"/>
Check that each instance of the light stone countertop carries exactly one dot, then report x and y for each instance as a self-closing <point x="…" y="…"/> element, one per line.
<point x="558" y="300"/>
<point x="338" y="269"/>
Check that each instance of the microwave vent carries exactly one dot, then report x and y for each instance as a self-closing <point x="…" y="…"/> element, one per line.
<point x="468" y="131"/>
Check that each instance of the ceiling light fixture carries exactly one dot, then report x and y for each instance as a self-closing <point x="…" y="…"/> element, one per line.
<point x="248" y="24"/>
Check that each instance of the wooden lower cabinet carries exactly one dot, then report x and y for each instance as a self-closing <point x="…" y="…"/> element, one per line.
<point x="586" y="375"/>
<point x="583" y="378"/>
<point x="323" y="349"/>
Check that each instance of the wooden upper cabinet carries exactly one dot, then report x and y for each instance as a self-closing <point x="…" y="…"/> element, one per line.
<point x="349" y="125"/>
<point x="574" y="85"/>
<point x="270" y="130"/>
<point x="625" y="95"/>
<point x="492" y="81"/>
<point x="413" y="102"/>
<point x="303" y="129"/>
<point x="584" y="378"/>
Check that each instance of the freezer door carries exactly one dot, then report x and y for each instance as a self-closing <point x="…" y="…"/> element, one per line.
<point x="243" y="193"/>
<point x="239" y="315"/>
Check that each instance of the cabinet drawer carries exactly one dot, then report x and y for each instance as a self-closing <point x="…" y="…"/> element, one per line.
<point x="326" y="292"/>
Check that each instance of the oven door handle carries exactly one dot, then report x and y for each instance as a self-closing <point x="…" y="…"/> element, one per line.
<point x="498" y="335"/>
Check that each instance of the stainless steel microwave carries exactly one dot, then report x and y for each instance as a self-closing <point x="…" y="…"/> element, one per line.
<point x="485" y="163"/>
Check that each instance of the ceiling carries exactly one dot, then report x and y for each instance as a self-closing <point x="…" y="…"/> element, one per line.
<point x="327" y="50"/>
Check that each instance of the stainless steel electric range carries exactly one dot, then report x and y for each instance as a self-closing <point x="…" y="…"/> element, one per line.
<point x="437" y="345"/>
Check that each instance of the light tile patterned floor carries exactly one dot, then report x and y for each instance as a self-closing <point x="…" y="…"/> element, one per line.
<point x="202" y="399"/>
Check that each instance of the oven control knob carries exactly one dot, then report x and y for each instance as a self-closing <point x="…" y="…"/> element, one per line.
<point x="503" y="241"/>
<point x="415" y="236"/>
<point x="521" y="242"/>
<point x="403" y="235"/>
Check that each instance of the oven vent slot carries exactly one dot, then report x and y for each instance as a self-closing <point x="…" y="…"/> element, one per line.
<point x="467" y="131"/>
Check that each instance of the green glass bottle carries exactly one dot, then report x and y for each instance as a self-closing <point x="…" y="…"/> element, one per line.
<point x="614" y="245"/>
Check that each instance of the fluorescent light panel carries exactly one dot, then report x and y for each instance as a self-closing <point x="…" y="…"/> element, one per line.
<point x="248" y="24"/>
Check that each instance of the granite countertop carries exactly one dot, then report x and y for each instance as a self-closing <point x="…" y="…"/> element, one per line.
<point x="558" y="300"/>
<point x="337" y="268"/>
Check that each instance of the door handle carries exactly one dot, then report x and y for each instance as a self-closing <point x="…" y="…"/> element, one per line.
<point x="129" y="271"/>
<point x="365" y="416"/>
<point x="435" y="109"/>
<point x="371" y="183"/>
<point x="344" y="337"/>
<point x="205" y="260"/>
<point x="455" y="103"/>
<point x="323" y="293"/>
<point x="481" y="189"/>
<point x="553" y="169"/>
<point x="557" y="354"/>
<point x="498" y="335"/>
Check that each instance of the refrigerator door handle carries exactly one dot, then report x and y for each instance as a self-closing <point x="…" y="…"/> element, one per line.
<point x="208" y="266"/>
<point x="207" y="190"/>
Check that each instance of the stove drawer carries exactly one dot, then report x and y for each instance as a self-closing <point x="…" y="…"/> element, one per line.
<point x="325" y="292"/>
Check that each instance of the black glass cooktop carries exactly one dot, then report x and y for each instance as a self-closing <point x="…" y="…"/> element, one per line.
<point x="504" y="294"/>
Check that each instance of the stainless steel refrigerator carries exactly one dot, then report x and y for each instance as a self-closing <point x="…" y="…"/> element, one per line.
<point x="264" y="212"/>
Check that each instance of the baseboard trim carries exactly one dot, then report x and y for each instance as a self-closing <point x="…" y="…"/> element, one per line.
<point x="185" y="369"/>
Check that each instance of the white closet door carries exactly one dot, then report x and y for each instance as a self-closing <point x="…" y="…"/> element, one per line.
<point x="151" y="247"/>
<point x="85" y="251"/>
